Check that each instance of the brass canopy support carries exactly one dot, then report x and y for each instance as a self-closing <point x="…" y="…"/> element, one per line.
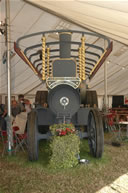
<point x="43" y="57"/>
<point x="48" y="62"/>
<point x="83" y="57"/>
<point x="80" y="63"/>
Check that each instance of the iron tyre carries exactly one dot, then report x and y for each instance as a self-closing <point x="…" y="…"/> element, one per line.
<point x="91" y="98"/>
<point x="32" y="138"/>
<point x="95" y="133"/>
<point x="94" y="98"/>
<point x="41" y="97"/>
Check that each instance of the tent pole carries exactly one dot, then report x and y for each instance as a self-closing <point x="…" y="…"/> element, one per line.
<point x="9" y="126"/>
<point x="105" y="81"/>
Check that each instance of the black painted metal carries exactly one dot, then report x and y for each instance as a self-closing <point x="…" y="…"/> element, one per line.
<point x="55" y="43"/>
<point x="72" y="56"/>
<point x="64" y="101"/>
<point x="68" y="93"/>
<point x="64" y="68"/>
<point x="59" y="31"/>
<point x="46" y="117"/>
<point x="95" y="133"/>
<point x="92" y="132"/>
<point x="57" y="50"/>
<point x="32" y="136"/>
<point x="65" y="45"/>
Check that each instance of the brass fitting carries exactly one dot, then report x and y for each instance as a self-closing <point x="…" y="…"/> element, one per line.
<point x="80" y="63"/>
<point x="43" y="57"/>
<point x="83" y="57"/>
<point x="48" y="62"/>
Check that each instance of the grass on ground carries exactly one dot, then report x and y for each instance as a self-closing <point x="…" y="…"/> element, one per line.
<point x="18" y="175"/>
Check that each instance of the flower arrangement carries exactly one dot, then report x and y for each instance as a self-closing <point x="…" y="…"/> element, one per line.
<point x="64" y="146"/>
<point x="62" y="129"/>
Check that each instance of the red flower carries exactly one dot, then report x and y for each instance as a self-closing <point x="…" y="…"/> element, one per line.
<point x="63" y="132"/>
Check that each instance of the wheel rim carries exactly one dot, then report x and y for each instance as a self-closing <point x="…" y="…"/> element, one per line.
<point x="92" y="133"/>
<point x="32" y="137"/>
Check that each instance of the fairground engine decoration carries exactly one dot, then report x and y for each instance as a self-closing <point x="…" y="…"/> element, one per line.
<point x="64" y="66"/>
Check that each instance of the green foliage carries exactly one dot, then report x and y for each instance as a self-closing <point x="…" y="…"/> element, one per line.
<point x="65" y="148"/>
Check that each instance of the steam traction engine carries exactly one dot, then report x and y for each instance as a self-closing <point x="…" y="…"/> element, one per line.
<point x="64" y="67"/>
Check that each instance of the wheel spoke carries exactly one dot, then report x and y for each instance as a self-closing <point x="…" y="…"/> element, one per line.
<point x="92" y="135"/>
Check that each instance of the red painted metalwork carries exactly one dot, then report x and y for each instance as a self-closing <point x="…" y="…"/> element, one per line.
<point x="102" y="60"/>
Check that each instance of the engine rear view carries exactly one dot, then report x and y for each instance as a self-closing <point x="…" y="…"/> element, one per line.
<point x="65" y="62"/>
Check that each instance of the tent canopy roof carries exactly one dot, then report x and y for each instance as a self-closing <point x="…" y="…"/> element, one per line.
<point x="109" y="18"/>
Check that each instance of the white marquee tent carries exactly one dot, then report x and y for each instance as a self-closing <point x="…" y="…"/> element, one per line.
<point x="109" y="18"/>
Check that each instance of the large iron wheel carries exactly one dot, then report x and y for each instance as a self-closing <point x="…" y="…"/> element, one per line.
<point x="32" y="138"/>
<point x="95" y="133"/>
<point x="91" y="98"/>
<point x="41" y="97"/>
